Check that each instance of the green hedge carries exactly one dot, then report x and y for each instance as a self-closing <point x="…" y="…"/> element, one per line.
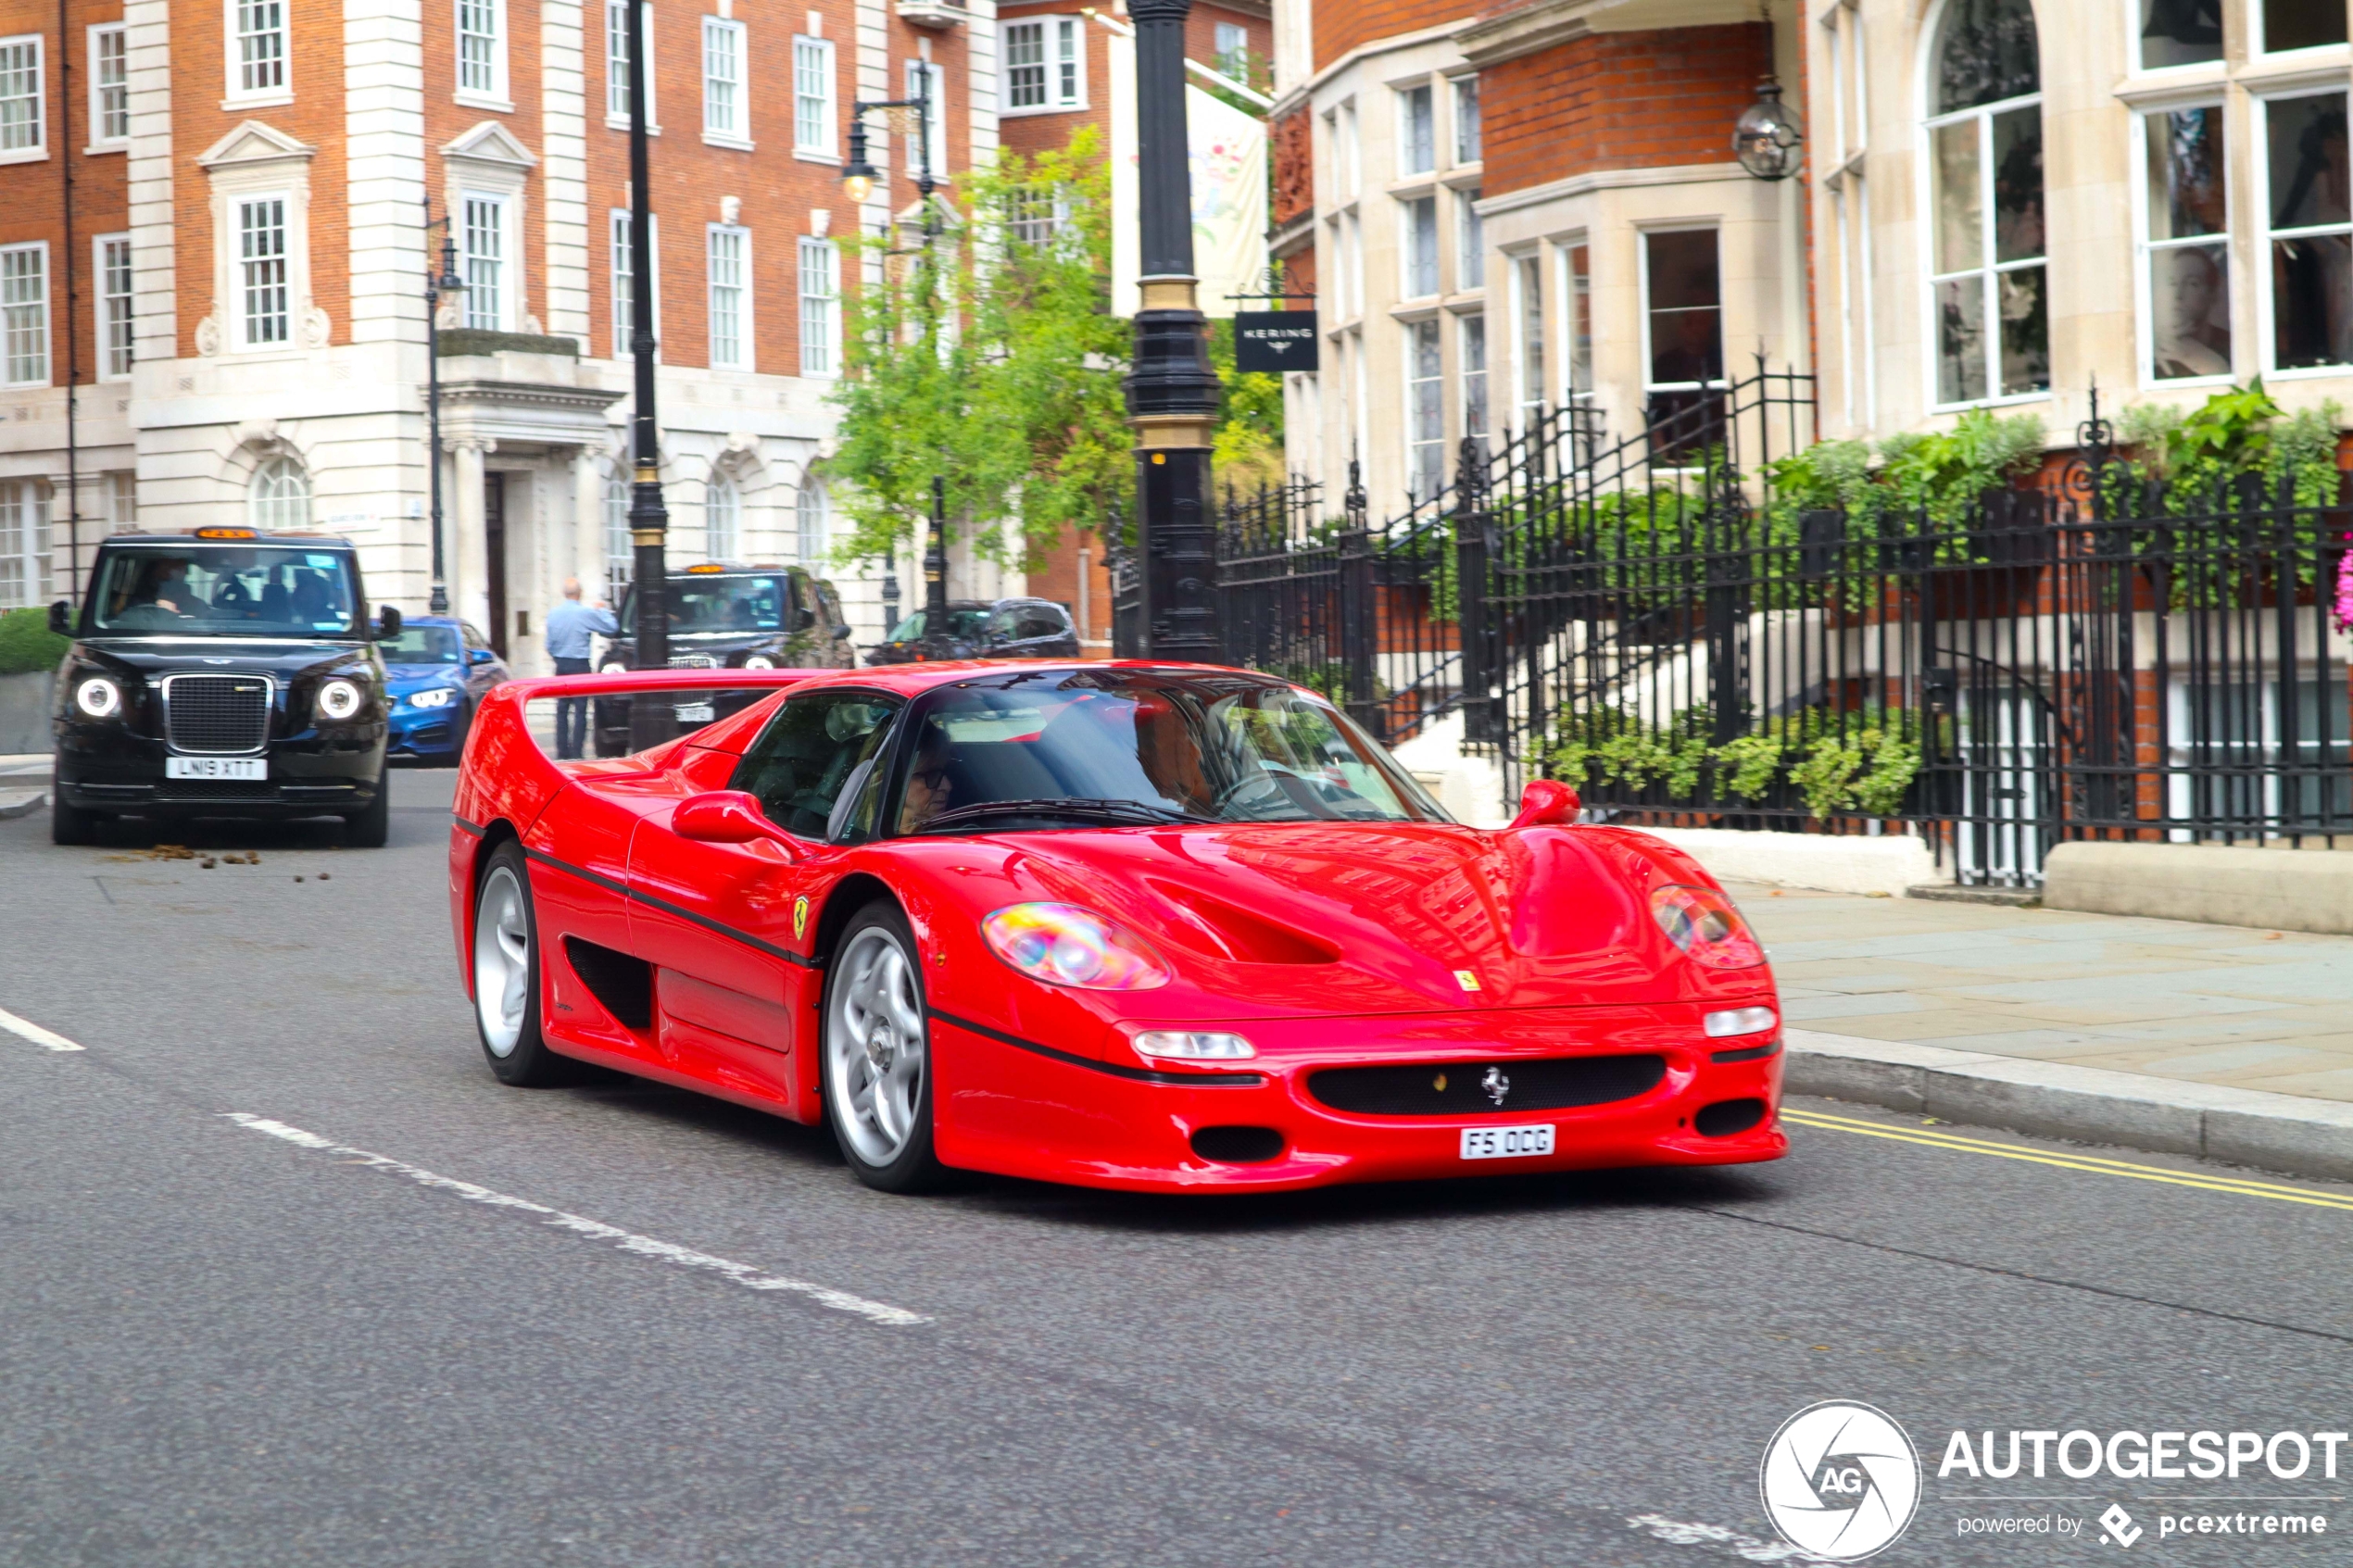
<point x="26" y="642"/>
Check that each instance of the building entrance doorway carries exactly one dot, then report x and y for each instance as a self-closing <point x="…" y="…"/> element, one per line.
<point x="494" y="530"/>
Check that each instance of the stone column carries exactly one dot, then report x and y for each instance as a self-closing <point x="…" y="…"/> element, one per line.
<point x="469" y="584"/>
<point x="588" y="524"/>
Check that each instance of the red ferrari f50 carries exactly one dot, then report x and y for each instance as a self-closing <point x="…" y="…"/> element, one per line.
<point x="1151" y="926"/>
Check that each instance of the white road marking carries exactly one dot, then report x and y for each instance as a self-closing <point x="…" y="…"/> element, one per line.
<point x="745" y="1274"/>
<point x="1749" y="1547"/>
<point x="34" y="1033"/>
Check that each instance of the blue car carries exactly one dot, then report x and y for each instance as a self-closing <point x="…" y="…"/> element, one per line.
<point x="435" y="672"/>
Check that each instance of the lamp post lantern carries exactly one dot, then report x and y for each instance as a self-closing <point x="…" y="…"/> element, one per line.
<point x="446" y="282"/>
<point x="1172" y="391"/>
<point x="651" y="723"/>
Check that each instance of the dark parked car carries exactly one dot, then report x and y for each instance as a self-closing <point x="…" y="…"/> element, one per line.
<point x="222" y="673"/>
<point x="728" y="617"/>
<point x="986" y="629"/>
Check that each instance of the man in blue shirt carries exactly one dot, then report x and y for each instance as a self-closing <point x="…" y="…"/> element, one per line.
<point x="570" y="625"/>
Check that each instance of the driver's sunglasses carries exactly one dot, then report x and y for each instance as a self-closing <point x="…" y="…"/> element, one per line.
<point x="930" y="778"/>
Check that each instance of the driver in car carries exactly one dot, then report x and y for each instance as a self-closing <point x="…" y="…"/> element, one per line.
<point x="927" y="783"/>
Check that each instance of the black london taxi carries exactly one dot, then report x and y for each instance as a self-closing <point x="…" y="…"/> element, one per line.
<point x="723" y="616"/>
<point x="221" y="672"/>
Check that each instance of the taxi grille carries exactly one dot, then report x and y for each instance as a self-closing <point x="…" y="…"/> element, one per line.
<point x="216" y="713"/>
<point x="1461" y="1088"/>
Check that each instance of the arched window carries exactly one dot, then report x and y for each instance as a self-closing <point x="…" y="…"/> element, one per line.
<point x="722" y="519"/>
<point x="810" y="513"/>
<point x="280" y="495"/>
<point x="1988" y="285"/>
<point x="620" y="555"/>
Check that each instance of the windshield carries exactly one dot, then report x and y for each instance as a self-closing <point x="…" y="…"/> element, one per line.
<point x="225" y="591"/>
<point x="721" y="604"/>
<point x="422" y="644"/>
<point x="964" y="626"/>
<point x="1094" y="747"/>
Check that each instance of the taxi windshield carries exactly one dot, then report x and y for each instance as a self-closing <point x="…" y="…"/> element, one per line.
<point x="199" y="590"/>
<point x="716" y="604"/>
<point x="1143" y="748"/>
<point x="422" y="644"/>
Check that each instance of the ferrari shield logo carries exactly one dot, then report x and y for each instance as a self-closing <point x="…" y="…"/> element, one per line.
<point x="1466" y="980"/>
<point x="799" y="917"/>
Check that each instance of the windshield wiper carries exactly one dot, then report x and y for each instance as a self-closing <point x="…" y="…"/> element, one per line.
<point x="1096" y="808"/>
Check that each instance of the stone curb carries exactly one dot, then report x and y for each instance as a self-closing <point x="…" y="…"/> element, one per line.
<point x="21" y="803"/>
<point x="2284" y="1132"/>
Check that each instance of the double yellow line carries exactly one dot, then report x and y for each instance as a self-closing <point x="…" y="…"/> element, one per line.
<point x="1933" y="1138"/>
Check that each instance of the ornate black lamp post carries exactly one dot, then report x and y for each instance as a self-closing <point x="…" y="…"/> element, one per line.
<point x="858" y="180"/>
<point x="651" y="723"/>
<point x="447" y="282"/>
<point x="1172" y="393"/>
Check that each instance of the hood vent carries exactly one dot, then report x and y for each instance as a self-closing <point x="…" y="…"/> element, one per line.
<point x="1212" y="926"/>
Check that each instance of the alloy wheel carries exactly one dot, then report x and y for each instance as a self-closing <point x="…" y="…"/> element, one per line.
<point x="874" y="1041"/>
<point x="502" y="960"/>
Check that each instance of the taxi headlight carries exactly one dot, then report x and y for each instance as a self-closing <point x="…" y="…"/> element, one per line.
<point x="340" y="700"/>
<point x="1193" y="1045"/>
<point x="759" y="661"/>
<point x="98" y="697"/>
<point x="613" y="667"/>
<point x="432" y="696"/>
<point x="1065" y="944"/>
<point x="1737" y="1020"/>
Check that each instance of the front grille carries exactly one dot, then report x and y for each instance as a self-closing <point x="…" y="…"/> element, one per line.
<point x="1463" y="1088"/>
<point x="217" y="789"/>
<point x="693" y="661"/>
<point x="221" y="714"/>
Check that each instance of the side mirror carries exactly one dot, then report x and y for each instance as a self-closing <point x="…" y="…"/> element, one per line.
<point x="480" y="656"/>
<point x="61" y="618"/>
<point x="841" y="628"/>
<point x="387" y="622"/>
<point x="802" y="619"/>
<point x="1547" y="803"/>
<point x="726" y="816"/>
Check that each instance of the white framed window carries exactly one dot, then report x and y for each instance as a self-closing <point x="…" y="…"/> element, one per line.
<point x="24" y="119"/>
<point x="24" y="315"/>
<point x="931" y="81"/>
<point x="279" y="496"/>
<point x="109" y="85"/>
<point x="617" y="62"/>
<point x="2281" y="26"/>
<point x="110" y="255"/>
<point x="1417" y="220"/>
<point x="1577" y="294"/>
<point x="481" y="50"/>
<point x="624" y="273"/>
<point x="1425" y="412"/>
<point x="725" y="116"/>
<point x="1045" y="64"/>
<point x="1470" y="133"/>
<point x="1682" y="311"/>
<point x="264" y="295"/>
<point x="1416" y="130"/>
<point x="258" y="52"/>
<point x="1232" y="42"/>
<point x="814" y="114"/>
<point x="1471" y="342"/>
<point x="1988" y="293"/>
<point x="722" y="519"/>
<point x="122" y="500"/>
<point x="2185" y="234"/>
<point x="819" y="308"/>
<point x="1527" y="307"/>
<point x="813" y="522"/>
<point x="1470" y="240"/>
<point x="25" y="543"/>
<point x="729" y="254"/>
<point x="1039" y="212"/>
<point x="2179" y="33"/>
<point x="486" y="260"/>
<point x="2308" y="230"/>
<point x="619" y="549"/>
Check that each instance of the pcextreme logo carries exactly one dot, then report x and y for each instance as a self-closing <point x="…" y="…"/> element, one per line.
<point x="1840" y="1480"/>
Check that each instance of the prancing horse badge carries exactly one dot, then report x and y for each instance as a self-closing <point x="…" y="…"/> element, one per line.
<point x="799" y="917"/>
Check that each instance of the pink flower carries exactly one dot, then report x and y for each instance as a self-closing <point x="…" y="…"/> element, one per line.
<point x="2345" y="590"/>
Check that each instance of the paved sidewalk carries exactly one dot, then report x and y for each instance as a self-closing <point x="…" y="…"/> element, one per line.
<point x="2206" y="1004"/>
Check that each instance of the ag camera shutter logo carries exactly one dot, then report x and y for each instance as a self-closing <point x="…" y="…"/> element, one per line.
<point x="1840" y="1480"/>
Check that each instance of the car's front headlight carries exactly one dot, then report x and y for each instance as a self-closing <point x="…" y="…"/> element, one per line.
<point x="759" y="661"/>
<point x="1702" y="923"/>
<point x="98" y="697"/>
<point x="340" y="700"/>
<point x="1194" y="1044"/>
<point x="432" y="697"/>
<point x="1065" y="944"/>
<point x="1725" y="1024"/>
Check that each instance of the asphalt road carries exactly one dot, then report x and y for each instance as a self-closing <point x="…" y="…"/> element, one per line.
<point x="220" y="1344"/>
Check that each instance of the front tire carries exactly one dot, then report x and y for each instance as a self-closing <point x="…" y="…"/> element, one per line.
<point x="507" y="979"/>
<point x="369" y="828"/>
<point x="71" y="824"/>
<point x="877" y="1055"/>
